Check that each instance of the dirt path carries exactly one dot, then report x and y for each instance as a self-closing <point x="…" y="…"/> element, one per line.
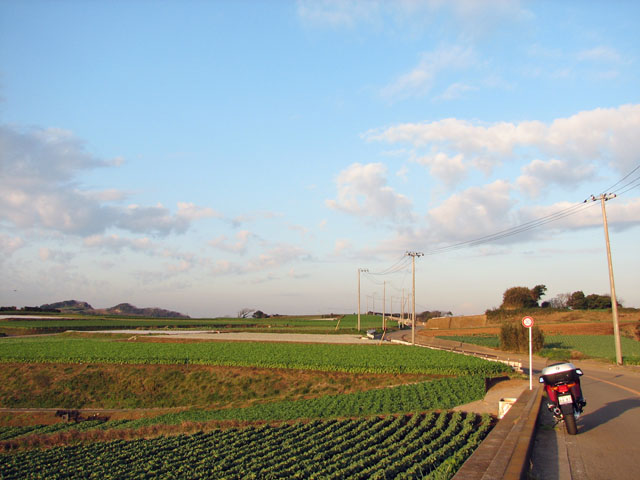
<point x="244" y="336"/>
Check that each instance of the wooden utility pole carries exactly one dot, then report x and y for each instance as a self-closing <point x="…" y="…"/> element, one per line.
<point x="614" y="302"/>
<point x="384" y="305"/>
<point x="413" y="256"/>
<point x="360" y="270"/>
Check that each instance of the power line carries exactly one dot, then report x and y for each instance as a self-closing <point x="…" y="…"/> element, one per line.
<point x="403" y="262"/>
<point x="629" y="186"/>
<point x="566" y="212"/>
<point x="622" y="179"/>
<point x="572" y="210"/>
<point x="399" y="265"/>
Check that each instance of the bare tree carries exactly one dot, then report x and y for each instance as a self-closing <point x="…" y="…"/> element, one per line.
<point x="245" y="312"/>
<point x="560" y="301"/>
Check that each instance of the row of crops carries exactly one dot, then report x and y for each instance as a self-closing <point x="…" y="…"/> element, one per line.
<point x="334" y="436"/>
<point x="13" y="433"/>
<point x="325" y="357"/>
<point x="431" y="445"/>
<point x="58" y="324"/>
<point x="438" y="394"/>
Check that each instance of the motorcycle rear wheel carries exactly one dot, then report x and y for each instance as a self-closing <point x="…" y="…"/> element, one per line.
<point x="569" y="419"/>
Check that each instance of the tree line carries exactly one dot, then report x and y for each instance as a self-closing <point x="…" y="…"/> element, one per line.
<point x="517" y="298"/>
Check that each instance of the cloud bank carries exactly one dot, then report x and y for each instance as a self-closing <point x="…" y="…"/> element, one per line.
<point x="39" y="189"/>
<point x="604" y="136"/>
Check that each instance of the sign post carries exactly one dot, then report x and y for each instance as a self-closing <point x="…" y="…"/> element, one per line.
<point x="527" y="322"/>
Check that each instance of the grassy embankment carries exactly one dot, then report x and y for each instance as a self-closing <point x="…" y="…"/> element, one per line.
<point x="569" y="335"/>
<point x="106" y="373"/>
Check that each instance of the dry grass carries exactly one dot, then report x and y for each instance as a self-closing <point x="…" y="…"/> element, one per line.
<point x="578" y="322"/>
<point x="70" y="437"/>
<point x="108" y="386"/>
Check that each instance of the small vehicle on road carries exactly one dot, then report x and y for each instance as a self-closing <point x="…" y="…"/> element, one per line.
<point x="562" y="384"/>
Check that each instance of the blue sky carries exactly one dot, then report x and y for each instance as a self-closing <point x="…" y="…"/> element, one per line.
<point x="211" y="156"/>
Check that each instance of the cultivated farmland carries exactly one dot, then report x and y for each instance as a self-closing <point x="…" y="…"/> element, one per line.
<point x="431" y="445"/>
<point x="300" y="410"/>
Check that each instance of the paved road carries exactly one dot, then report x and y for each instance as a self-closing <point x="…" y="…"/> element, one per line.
<point x="608" y="442"/>
<point x="606" y="446"/>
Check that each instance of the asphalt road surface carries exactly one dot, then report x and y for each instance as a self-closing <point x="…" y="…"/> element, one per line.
<point x="607" y="445"/>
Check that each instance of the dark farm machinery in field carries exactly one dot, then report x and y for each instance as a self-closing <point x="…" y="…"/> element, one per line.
<point x="76" y="416"/>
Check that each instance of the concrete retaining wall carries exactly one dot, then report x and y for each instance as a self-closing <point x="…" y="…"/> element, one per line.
<point x="506" y="452"/>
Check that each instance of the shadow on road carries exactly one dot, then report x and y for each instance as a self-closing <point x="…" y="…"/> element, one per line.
<point x="607" y="413"/>
<point x="545" y="459"/>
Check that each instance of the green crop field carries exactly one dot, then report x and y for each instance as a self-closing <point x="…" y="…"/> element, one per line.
<point x="338" y="324"/>
<point x="596" y="346"/>
<point x="391" y="430"/>
<point x="431" y="445"/>
<point x="327" y="357"/>
<point x="563" y="347"/>
<point x="437" y="394"/>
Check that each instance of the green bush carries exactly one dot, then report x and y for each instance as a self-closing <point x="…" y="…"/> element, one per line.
<point x="515" y="338"/>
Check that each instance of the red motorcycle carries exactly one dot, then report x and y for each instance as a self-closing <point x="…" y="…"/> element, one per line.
<point x="562" y="384"/>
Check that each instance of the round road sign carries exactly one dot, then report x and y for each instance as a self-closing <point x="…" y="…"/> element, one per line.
<point x="527" y="322"/>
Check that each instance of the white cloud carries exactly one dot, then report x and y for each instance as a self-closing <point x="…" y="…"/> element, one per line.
<point x="539" y="175"/>
<point x="109" y="195"/>
<point x="420" y="80"/>
<point x="272" y="259"/>
<point x="403" y="173"/>
<point x="302" y="230"/>
<point x="478" y="18"/>
<point x="337" y="13"/>
<point x="341" y="246"/>
<point x="116" y="243"/>
<point x="46" y="254"/>
<point x="455" y="91"/>
<point x="9" y="244"/>
<point x="156" y="220"/>
<point x="620" y="214"/>
<point x="468" y="17"/>
<point x="253" y="217"/>
<point x="449" y="169"/>
<point x="39" y="189"/>
<point x="226" y="267"/>
<point x="46" y="153"/>
<point x="363" y="191"/>
<point x="180" y="267"/>
<point x="604" y="135"/>
<point x="472" y="213"/>
<point x="191" y="211"/>
<point x="276" y="257"/>
<point x="600" y="54"/>
<point x="239" y="246"/>
<point x="297" y="276"/>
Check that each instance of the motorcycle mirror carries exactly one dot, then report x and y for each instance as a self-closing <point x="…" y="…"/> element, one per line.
<point x="541" y="380"/>
<point x="578" y="371"/>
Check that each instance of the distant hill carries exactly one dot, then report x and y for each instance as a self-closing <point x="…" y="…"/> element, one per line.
<point x="128" y="309"/>
<point x="74" y="306"/>
<point x="69" y="306"/>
